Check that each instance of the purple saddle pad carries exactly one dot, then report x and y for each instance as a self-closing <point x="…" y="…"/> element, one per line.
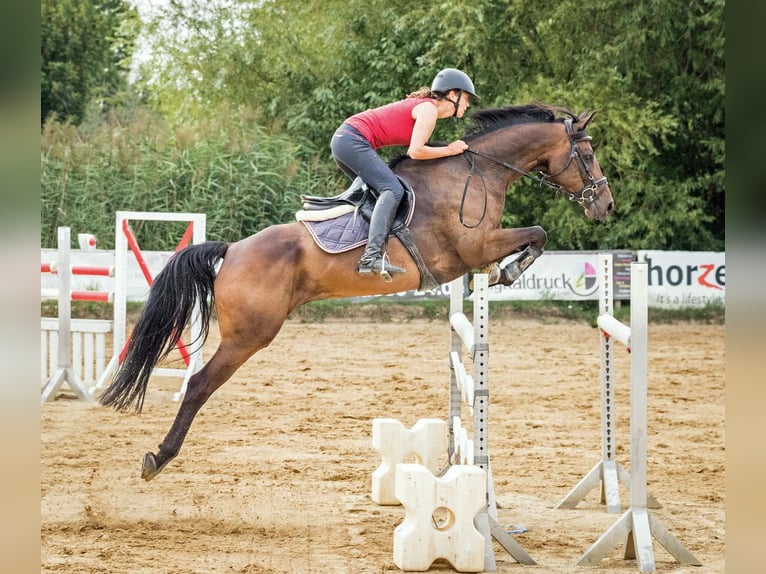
<point x="340" y="234"/>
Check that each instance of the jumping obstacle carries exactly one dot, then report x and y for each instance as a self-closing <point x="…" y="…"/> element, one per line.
<point x="607" y="472"/>
<point x="474" y="392"/>
<point x="636" y="527"/>
<point x="74" y="342"/>
<point x="464" y="455"/>
<point x="56" y="335"/>
<point x="124" y="240"/>
<point x="87" y="337"/>
<point x="426" y="442"/>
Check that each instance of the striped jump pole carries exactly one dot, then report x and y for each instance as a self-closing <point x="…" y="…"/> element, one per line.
<point x="90" y="270"/>
<point x="97" y="296"/>
<point x="636" y="527"/>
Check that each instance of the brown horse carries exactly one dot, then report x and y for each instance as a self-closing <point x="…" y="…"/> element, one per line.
<point x="455" y="226"/>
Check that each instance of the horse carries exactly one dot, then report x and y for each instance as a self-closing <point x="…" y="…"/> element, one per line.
<point x="256" y="282"/>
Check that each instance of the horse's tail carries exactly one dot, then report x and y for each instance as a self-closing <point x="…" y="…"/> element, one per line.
<point x="186" y="281"/>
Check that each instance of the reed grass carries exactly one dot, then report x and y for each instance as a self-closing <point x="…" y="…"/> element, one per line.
<point x="243" y="178"/>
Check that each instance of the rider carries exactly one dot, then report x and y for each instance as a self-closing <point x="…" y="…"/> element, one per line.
<point x="408" y="122"/>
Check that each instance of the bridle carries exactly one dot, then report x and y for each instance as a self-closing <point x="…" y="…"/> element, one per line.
<point x="587" y="193"/>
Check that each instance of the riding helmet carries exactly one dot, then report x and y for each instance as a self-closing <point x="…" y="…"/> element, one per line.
<point x="453" y="79"/>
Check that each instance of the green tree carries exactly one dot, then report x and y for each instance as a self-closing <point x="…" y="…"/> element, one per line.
<point x="653" y="70"/>
<point x="85" y="47"/>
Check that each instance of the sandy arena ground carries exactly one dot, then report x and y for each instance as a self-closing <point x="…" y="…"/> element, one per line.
<point x="275" y="474"/>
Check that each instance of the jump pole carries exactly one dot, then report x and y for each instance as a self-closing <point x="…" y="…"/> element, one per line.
<point x="475" y="392"/>
<point x="636" y="527"/>
<point x="64" y="373"/>
<point x="122" y="236"/>
<point x="608" y="473"/>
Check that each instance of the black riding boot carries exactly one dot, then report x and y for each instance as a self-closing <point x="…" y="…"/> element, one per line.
<point x="373" y="260"/>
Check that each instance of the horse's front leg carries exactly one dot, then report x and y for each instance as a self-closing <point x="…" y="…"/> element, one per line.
<point x="515" y="268"/>
<point x="509" y="241"/>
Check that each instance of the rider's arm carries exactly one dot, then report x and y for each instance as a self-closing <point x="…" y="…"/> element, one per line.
<point x="425" y="115"/>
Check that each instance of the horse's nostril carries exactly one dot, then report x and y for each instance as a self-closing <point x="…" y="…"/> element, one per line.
<point x="609" y="207"/>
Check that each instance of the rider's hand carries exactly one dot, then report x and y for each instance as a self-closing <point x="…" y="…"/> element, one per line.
<point x="457" y="147"/>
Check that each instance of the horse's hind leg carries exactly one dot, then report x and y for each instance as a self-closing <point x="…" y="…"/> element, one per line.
<point x="226" y="360"/>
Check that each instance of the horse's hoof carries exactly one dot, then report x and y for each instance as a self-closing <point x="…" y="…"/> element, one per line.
<point x="149" y="469"/>
<point x="494" y="272"/>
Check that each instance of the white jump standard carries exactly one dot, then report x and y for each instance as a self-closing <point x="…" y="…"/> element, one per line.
<point x="636" y="527"/>
<point x="64" y="373"/>
<point x="607" y="472"/>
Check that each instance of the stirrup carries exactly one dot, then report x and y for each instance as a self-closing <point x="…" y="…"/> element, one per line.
<point x="378" y="264"/>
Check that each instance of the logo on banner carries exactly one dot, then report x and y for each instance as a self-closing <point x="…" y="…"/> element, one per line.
<point x="586" y="283"/>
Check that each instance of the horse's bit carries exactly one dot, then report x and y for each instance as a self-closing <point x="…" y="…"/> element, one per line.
<point x="585" y="196"/>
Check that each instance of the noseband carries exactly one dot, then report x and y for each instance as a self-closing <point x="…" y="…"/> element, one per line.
<point x="587" y="193"/>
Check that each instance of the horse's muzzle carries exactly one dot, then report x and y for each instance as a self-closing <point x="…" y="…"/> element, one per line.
<point x="601" y="203"/>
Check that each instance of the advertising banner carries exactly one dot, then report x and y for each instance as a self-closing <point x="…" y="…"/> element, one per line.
<point x="566" y="276"/>
<point x="680" y="279"/>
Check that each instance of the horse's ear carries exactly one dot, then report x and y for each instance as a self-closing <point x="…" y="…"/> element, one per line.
<point x="585" y="118"/>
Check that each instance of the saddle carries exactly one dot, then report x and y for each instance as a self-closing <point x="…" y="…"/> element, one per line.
<point x="360" y="199"/>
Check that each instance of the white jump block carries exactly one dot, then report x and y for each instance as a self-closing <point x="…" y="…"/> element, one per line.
<point x="426" y="442"/>
<point x="439" y="519"/>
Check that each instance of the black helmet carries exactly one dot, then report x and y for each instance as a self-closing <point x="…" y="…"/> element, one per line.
<point x="453" y="79"/>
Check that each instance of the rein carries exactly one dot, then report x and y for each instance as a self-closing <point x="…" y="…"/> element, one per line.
<point x="465" y="191"/>
<point x="582" y="197"/>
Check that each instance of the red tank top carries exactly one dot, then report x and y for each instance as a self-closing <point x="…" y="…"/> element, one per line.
<point x="388" y="125"/>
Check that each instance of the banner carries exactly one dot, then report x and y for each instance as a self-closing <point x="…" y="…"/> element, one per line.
<point x="565" y="276"/>
<point x="679" y="279"/>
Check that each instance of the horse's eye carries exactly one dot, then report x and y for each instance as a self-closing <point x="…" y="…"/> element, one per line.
<point x="588" y="157"/>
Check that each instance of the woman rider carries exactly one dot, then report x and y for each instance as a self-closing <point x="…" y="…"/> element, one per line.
<point x="408" y="122"/>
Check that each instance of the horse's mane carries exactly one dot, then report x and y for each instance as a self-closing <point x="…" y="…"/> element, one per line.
<point x="491" y="119"/>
